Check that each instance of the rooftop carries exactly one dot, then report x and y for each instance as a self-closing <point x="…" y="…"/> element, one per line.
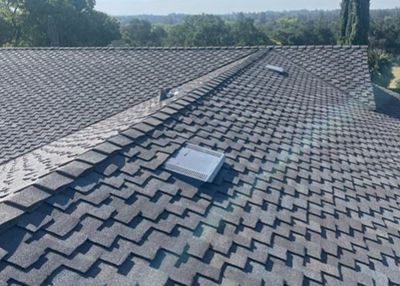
<point x="308" y="193"/>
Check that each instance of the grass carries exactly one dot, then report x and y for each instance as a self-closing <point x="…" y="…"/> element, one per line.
<point x="396" y="74"/>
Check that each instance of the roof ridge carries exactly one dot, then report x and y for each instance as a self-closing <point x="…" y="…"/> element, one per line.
<point x="192" y="48"/>
<point x="31" y="197"/>
<point x="320" y="46"/>
<point x="133" y="48"/>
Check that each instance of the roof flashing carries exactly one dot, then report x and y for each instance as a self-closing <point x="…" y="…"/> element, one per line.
<point x="196" y="162"/>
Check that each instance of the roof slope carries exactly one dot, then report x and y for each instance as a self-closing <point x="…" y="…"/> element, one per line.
<point x="46" y="94"/>
<point x="344" y="67"/>
<point x="308" y="194"/>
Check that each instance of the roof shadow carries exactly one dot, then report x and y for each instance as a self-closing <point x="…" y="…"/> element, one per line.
<point x="387" y="103"/>
<point x="219" y="189"/>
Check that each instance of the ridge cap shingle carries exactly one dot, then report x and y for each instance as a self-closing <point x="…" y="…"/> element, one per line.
<point x="134" y="48"/>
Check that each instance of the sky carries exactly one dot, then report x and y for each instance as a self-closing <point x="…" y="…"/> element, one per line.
<point x="163" y="7"/>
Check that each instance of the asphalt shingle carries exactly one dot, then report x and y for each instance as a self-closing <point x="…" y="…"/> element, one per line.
<point x="308" y="194"/>
<point x="60" y="91"/>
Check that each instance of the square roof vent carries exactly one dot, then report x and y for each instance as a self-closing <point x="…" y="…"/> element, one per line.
<point x="277" y="69"/>
<point x="196" y="162"/>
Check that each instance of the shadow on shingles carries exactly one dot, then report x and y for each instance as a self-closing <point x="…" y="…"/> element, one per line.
<point x="12" y="239"/>
<point x="386" y="103"/>
<point x="219" y="189"/>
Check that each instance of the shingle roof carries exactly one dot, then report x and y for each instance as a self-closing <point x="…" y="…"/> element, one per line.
<point x="344" y="67"/>
<point x="308" y="194"/>
<point x="47" y="94"/>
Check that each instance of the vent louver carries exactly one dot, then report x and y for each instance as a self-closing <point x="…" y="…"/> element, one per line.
<point x="196" y="162"/>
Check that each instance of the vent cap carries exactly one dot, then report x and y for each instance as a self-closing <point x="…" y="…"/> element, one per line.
<point x="277" y="69"/>
<point x="196" y="162"/>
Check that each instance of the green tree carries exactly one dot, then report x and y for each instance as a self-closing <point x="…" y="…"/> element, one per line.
<point x="10" y="12"/>
<point x="293" y="31"/>
<point x="72" y="22"/>
<point x="82" y="5"/>
<point x="345" y="13"/>
<point x="142" y="33"/>
<point x="200" y="30"/>
<point x="245" y="33"/>
<point x="380" y="66"/>
<point x="355" y="22"/>
<point x="385" y="34"/>
<point x="5" y="31"/>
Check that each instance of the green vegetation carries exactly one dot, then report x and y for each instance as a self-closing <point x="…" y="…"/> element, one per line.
<point x="200" y="30"/>
<point x="380" y="63"/>
<point x="290" y="30"/>
<point x="355" y="20"/>
<point x="55" y="22"/>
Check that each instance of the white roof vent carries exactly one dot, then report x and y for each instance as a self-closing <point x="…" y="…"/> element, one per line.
<point x="196" y="162"/>
<point x="277" y="69"/>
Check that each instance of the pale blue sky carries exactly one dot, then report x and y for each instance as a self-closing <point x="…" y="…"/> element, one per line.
<point x="162" y="7"/>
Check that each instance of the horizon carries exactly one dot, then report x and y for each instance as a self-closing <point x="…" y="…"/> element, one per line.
<point x="167" y="7"/>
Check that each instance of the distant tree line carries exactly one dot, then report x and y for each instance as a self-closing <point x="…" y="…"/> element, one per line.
<point x="200" y="30"/>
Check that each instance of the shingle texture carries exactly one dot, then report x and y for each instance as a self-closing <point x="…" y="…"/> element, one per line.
<point x="47" y="94"/>
<point x="308" y="195"/>
<point x="344" y="67"/>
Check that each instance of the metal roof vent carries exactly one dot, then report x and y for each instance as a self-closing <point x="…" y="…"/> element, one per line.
<point x="196" y="162"/>
<point x="167" y="93"/>
<point x="277" y="69"/>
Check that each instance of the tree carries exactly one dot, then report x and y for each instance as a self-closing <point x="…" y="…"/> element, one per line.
<point x="344" y="19"/>
<point x="84" y="5"/>
<point x="380" y="66"/>
<point x="293" y="31"/>
<point x="245" y="33"/>
<point x="67" y="22"/>
<point x="142" y="33"/>
<point x="10" y="11"/>
<point x="355" y="22"/>
<point x="385" y="33"/>
<point x="200" y="30"/>
<point x="5" y="31"/>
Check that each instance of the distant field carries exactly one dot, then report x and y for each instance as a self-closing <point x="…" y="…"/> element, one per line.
<point x="396" y="73"/>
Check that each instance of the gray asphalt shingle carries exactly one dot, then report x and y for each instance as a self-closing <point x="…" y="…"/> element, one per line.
<point x="308" y="194"/>
<point x="46" y="94"/>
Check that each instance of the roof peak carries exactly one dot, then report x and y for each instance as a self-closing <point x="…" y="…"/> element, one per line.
<point x="190" y="48"/>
